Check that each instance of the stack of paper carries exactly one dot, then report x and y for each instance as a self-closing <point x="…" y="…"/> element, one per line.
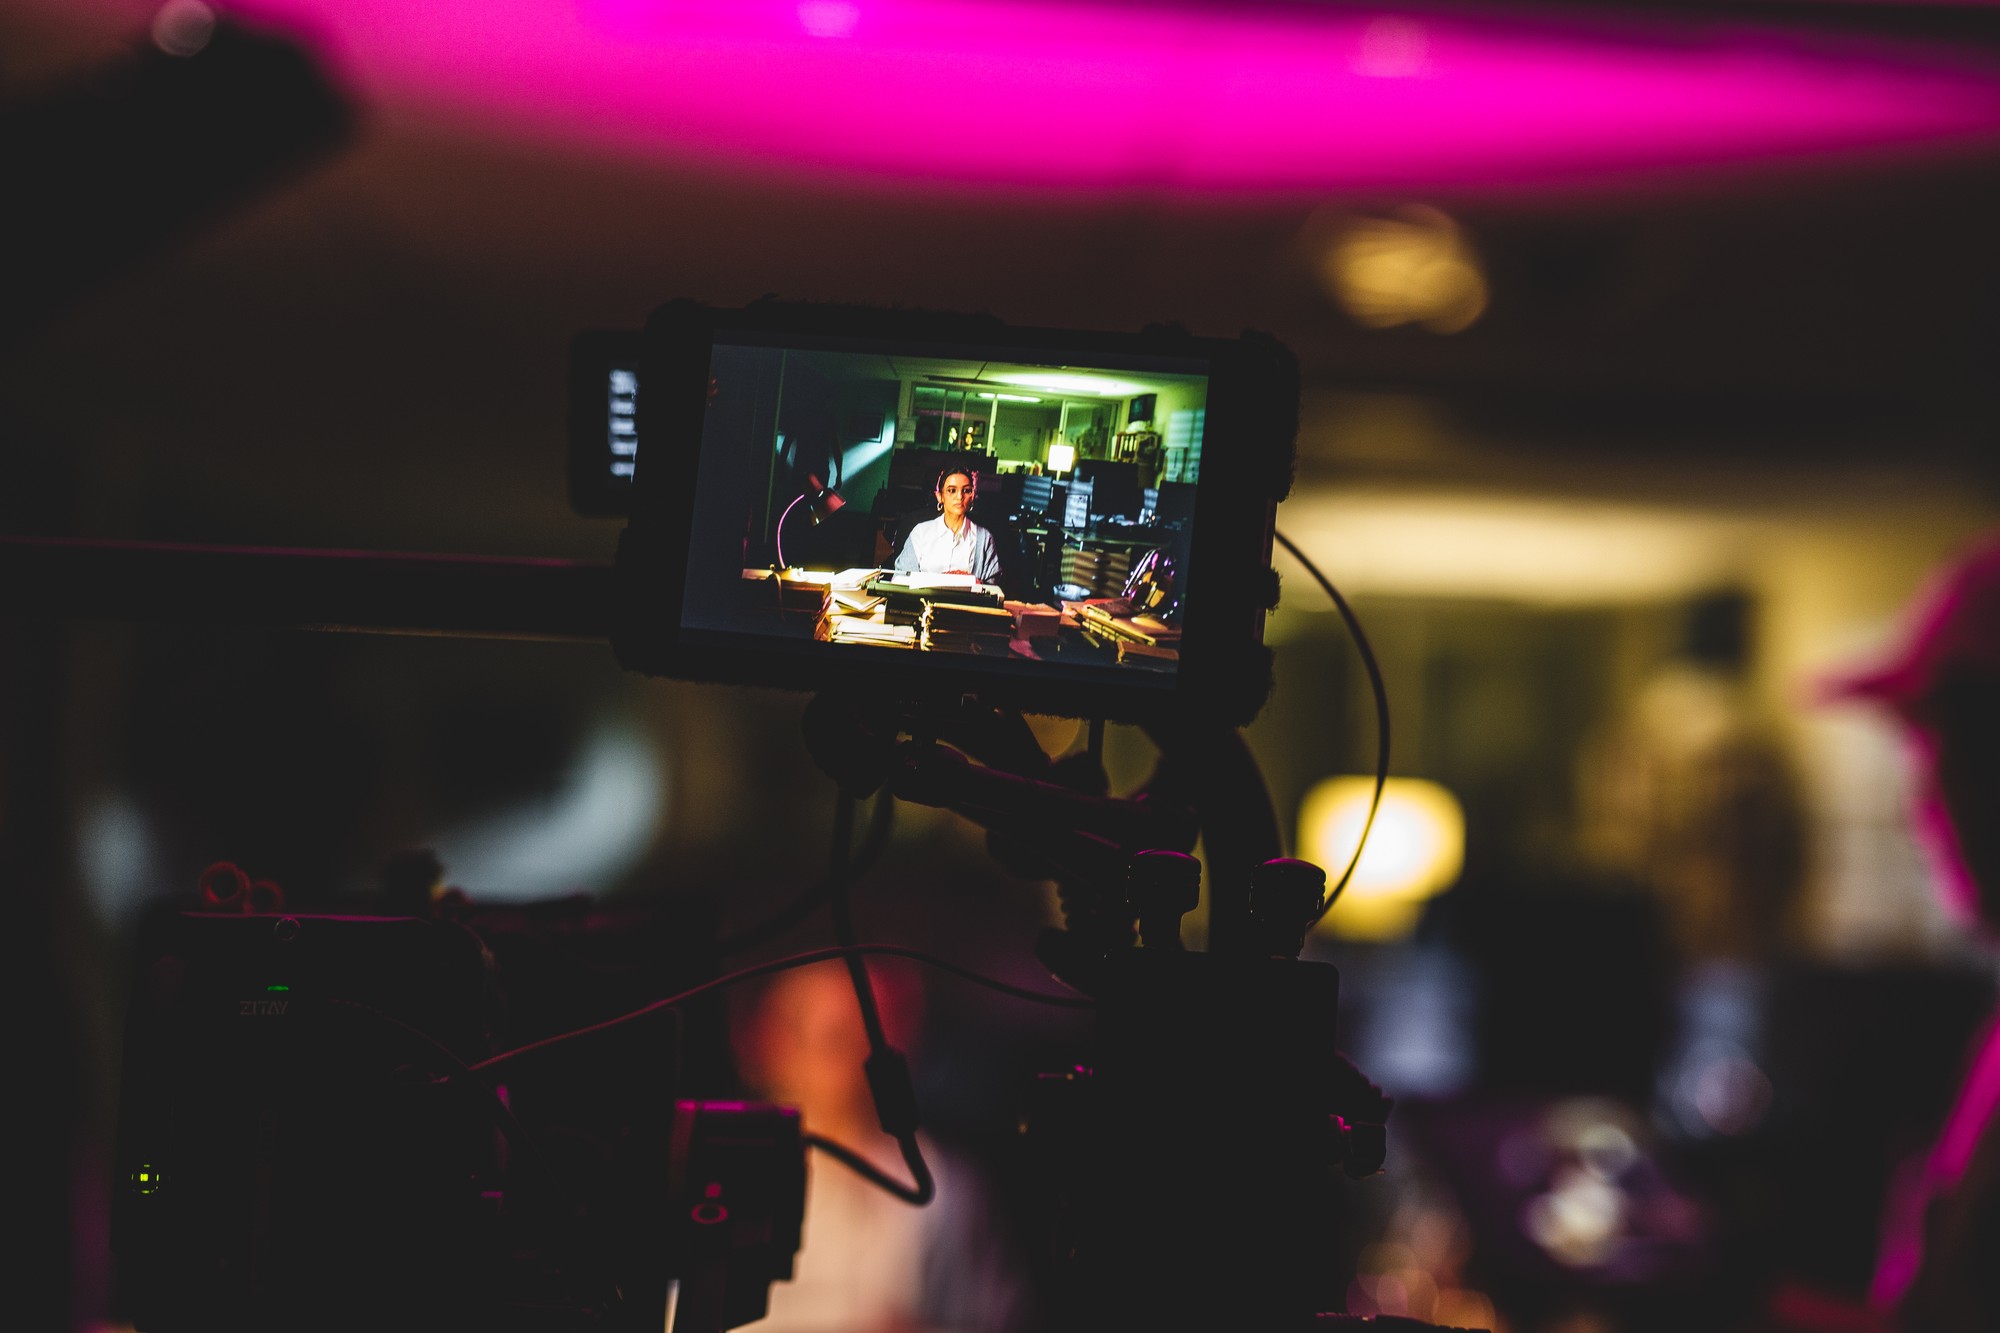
<point x="855" y="578"/>
<point x="1147" y="656"/>
<point x="1111" y="622"/>
<point x="857" y="629"/>
<point x="970" y="619"/>
<point x="852" y="601"/>
<point x="1103" y="572"/>
<point x="953" y="627"/>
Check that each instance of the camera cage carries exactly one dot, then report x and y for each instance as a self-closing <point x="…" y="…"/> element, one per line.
<point x="1224" y="669"/>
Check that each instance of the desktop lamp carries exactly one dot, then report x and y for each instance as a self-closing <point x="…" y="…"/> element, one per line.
<point x="1062" y="457"/>
<point x="821" y="501"/>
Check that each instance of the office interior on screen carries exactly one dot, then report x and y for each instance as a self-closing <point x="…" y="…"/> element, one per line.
<point x="1083" y="476"/>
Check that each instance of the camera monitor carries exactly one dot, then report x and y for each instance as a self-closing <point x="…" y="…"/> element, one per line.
<point x="818" y="503"/>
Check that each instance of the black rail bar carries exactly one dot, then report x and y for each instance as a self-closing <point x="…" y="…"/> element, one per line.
<point x="369" y="591"/>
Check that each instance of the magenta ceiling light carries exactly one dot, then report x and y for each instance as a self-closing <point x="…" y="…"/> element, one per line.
<point x="1031" y="94"/>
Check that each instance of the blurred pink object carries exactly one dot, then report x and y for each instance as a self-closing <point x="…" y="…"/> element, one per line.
<point x="1183" y="100"/>
<point x="1953" y="626"/>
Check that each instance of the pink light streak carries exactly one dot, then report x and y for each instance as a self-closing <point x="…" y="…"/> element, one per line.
<point x="1014" y="93"/>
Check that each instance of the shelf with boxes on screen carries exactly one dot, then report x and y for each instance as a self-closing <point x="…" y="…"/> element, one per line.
<point x="956" y="613"/>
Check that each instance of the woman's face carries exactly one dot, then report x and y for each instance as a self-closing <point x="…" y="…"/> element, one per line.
<point x="954" y="494"/>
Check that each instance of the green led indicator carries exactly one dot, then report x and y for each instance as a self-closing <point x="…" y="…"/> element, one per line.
<point x="277" y="988"/>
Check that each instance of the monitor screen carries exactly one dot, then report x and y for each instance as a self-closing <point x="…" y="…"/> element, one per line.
<point x="848" y="500"/>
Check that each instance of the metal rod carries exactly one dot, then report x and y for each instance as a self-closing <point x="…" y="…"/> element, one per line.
<point x="370" y="591"/>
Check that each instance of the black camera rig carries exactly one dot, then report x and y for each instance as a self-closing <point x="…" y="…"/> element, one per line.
<point x="411" y="1117"/>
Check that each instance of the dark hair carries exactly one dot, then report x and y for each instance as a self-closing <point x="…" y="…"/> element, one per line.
<point x="971" y="477"/>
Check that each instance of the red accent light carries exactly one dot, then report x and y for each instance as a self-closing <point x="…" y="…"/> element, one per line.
<point x="225" y="885"/>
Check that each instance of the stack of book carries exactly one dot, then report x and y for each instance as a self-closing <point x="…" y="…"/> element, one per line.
<point x="855" y="615"/>
<point x="1140" y="640"/>
<point x="959" y="628"/>
<point x="1148" y="657"/>
<point x="794" y="590"/>
<point x="854" y="629"/>
<point x="851" y="602"/>
<point x="1103" y="572"/>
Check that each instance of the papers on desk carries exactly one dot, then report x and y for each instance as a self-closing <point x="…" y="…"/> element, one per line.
<point x="857" y="617"/>
<point x="855" y="578"/>
<point x="910" y="578"/>
<point x="892" y="616"/>
<point x="1142" y="642"/>
<point x="860" y="629"/>
<point x="1110" y="621"/>
<point x="852" y="601"/>
<point x="937" y="587"/>
<point x="853" y="614"/>
<point x="954" y="627"/>
<point x="969" y="619"/>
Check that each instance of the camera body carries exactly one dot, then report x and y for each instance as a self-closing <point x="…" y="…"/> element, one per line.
<point x="303" y="1145"/>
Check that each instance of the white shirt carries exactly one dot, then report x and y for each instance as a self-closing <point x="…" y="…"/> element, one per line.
<point x="931" y="548"/>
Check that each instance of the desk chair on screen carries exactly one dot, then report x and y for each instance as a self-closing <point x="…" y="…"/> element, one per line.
<point x="1044" y="498"/>
<point x="1116" y="491"/>
<point x="1020" y="555"/>
<point x="1000" y="494"/>
<point x="1174" y="503"/>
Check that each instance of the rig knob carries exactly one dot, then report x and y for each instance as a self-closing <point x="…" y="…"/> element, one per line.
<point x="1285" y="895"/>
<point x="1162" y="887"/>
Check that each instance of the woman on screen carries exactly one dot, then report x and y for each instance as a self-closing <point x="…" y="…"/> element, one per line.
<point x="951" y="543"/>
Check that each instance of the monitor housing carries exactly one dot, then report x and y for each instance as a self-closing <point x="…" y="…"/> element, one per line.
<point x="785" y="451"/>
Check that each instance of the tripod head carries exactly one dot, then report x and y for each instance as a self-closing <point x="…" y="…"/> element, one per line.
<point x="1188" y="1169"/>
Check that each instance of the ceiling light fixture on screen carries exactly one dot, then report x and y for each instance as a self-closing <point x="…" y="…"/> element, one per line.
<point x="1057" y="381"/>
